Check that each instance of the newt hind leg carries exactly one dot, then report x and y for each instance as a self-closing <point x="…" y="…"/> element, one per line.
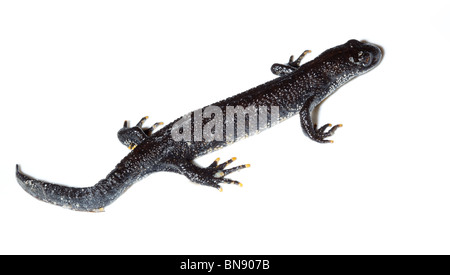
<point x="132" y="137"/>
<point x="212" y="175"/>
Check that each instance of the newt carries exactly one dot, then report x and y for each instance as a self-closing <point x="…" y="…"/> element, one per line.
<point x="298" y="89"/>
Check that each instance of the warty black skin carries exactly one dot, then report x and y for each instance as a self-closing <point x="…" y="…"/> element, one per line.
<point x="297" y="90"/>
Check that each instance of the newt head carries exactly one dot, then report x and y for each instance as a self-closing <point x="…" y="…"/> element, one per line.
<point x="363" y="54"/>
<point x="351" y="59"/>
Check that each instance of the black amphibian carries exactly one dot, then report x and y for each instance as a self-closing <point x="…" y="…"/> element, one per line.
<point x="297" y="90"/>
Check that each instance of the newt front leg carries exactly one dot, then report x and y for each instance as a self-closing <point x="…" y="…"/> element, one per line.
<point x="310" y="129"/>
<point x="291" y="66"/>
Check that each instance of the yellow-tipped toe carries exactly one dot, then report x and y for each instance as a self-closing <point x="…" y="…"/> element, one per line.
<point x="98" y="210"/>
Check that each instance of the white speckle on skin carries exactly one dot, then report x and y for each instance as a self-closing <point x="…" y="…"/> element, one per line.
<point x="219" y="174"/>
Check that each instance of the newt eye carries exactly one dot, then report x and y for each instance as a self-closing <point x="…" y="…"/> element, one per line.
<point x="365" y="59"/>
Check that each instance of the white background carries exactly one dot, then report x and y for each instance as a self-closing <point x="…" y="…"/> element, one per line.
<point x="72" y="71"/>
